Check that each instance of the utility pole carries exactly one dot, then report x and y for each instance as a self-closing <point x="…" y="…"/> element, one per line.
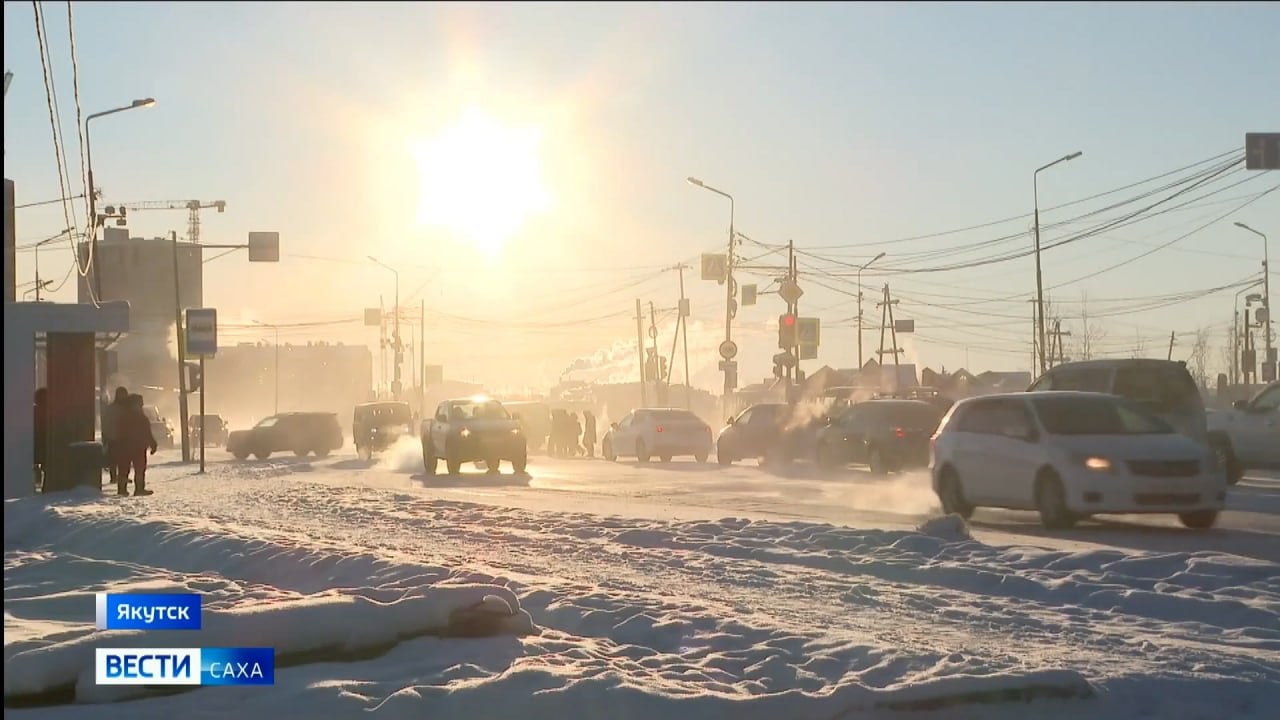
<point x="1035" y="185"/>
<point x="864" y="267"/>
<point x="181" y="334"/>
<point x="682" y="329"/>
<point x="644" y="393"/>
<point x="657" y="359"/>
<point x="886" y="322"/>
<point x="1172" y="334"/>
<point x="793" y="308"/>
<point x="730" y="288"/>
<point x="1058" y="334"/>
<point x="422" y="358"/>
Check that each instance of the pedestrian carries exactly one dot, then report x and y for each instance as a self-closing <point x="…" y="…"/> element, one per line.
<point x="589" y="432"/>
<point x="111" y="413"/>
<point x="555" y="444"/>
<point x="41" y="439"/>
<point x="576" y="429"/>
<point x="135" y="439"/>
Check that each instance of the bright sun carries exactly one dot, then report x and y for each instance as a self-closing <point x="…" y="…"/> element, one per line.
<point x="481" y="180"/>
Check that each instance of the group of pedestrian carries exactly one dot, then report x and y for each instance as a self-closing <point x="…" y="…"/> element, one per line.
<point x="571" y="437"/>
<point x="126" y="439"/>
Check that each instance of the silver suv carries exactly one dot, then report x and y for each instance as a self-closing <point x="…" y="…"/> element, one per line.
<point x="1163" y="387"/>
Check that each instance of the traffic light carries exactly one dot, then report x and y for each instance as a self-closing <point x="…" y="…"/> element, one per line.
<point x="786" y="330"/>
<point x="195" y="380"/>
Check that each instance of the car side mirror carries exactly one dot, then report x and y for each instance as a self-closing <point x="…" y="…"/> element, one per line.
<point x="729" y="421"/>
<point x="613" y="425"/>
<point x="1240" y="405"/>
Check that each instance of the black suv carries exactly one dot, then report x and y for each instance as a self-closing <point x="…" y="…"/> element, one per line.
<point x="300" y="432"/>
<point x="886" y="435"/>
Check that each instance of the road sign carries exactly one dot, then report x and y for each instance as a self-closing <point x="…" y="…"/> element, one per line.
<point x="728" y="365"/>
<point x="264" y="247"/>
<point x="372" y="317"/>
<point x="808" y="332"/>
<point x="728" y="349"/>
<point x="1262" y="151"/>
<point x="715" y="266"/>
<point x="749" y="294"/>
<point x="808" y="351"/>
<point x="653" y="331"/>
<point x="904" y="326"/>
<point x="790" y="291"/>
<point x="202" y="331"/>
<point x="684" y="307"/>
<point x="1268" y="372"/>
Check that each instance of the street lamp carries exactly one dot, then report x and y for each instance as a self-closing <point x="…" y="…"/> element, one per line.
<point x="276" y="343"/>
<point x="728" y="284"/>
<point x="36" y="259"/>
<point x="93" y="204"/>
<point x="864" y="267"/>
<point x="1266" y="285"/>
<point x="395" y="383"/>
<point x="1239" y="336"/>
<point x="1035" y="189"/>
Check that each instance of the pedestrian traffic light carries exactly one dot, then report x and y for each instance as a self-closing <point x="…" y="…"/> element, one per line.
<point x="786" y="330"/>
<point x="195" y="380"/>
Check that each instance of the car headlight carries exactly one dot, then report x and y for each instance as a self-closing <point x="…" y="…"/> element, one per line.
<point x="515" y="431"/>
<point x="1096" y="463"/>
<point x="465" y="432"/>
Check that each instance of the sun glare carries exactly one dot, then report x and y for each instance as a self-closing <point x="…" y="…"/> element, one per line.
<point x="481" y="181"/>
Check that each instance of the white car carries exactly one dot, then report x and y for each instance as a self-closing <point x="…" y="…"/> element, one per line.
<point x="1254" y="429"/>
<point x="660" y="432"/>
<point x="1070" y="455"/>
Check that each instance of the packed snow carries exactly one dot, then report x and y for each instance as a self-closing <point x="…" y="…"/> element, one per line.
<point x="359" y="587"/>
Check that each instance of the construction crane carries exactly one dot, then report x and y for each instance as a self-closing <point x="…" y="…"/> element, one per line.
<point x="193" y="207"/>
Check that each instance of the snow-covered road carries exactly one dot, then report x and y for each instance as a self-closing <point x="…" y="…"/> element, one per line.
<point x="688" y="591"/>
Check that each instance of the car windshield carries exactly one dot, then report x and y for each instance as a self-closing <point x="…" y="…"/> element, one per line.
<point x="269" y="422"/>
<point x="917" y="416"/>
<point x="487" y="410"/>
<point x="1160" y="388"/>
<point x="1093" y="415"/>
<point x="388" y="414"/>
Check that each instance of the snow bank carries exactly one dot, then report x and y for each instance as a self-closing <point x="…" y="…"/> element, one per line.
<point x="344" y="618"/>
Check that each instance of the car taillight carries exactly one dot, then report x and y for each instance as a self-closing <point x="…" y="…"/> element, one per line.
<point x="659" y="429"/>
<point x="899" y="432"/>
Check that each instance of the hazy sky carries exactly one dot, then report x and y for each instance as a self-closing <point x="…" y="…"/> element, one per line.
<point x="347" y="128"/>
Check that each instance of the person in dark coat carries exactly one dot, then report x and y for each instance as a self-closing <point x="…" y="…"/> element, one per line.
<point x="134" y="439"/>
<point x="110" y="431"/>
<point x="41" y="439"/>
<point x="575" y="430"/>
<point x="589" y="432"/>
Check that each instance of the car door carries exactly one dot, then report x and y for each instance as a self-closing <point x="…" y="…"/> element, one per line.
<point x="739" y="437"/>
<point x="1257" y="434"/>
<point x="440" y="428"/>
<point x="1016" y="453"/>
<point x="971" y="449"/>
<point x="843" y="435"/>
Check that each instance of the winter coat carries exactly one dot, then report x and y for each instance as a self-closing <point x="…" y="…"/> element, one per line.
<point x="111" y="415"/>
<point x="134" y="431"/>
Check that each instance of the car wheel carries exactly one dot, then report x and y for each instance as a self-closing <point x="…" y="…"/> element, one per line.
<point x="723" y="458"/>
<point x="642" y="452"/>
<point x="1199" y="519"/>
<point x="452" y="462"/>
<point x="364" y="452"/>
<point x="262" y="455"/>
<point x="700" y="457"/>
<point x="240" y="455"/>
<point x="1051" y="501"/>
<point x="606" y="449"/>
<point x="519" y="463"/>
<point x="951" y="493"/>
<point x="301" y="452"/>
<point x="493" y="465"/>
<point x="323" y="452"/>
<point x="429" y="460"/>
<point x="876" y="463"/>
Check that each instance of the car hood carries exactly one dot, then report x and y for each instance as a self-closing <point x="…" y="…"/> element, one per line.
<point x="1132" y="447"/>
<point x="488" y="425"/>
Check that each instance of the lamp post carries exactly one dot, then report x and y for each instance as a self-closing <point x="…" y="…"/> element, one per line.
<point x="93" y="224"/>
<point x="1236" y="331"/>
<point x="1035" y="189"/>
<point x="864" y="267"/>
<point x="729" y="309"/>
<point x="1266" y="285"/>
<point x="276" y="347"/>
<point x="93" y="196"/>
<point x="395" y="383"/>
<point x="1249" y="300"/>
<point x="36" y="249"/>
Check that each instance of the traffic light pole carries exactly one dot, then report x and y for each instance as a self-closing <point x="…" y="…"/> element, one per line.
<point x="644" y="393"/>
<point x="794" y="309"/>
<point x="202" y="419"/>
<point x="182" y="353"/>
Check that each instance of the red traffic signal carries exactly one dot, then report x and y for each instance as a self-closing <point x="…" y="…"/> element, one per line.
<point x="786" y="331"/>
<point x="787" y="320"/>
